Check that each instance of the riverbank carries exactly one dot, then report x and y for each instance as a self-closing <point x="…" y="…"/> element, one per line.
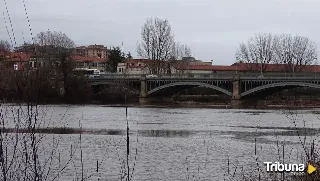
<point x="196" y="106"/>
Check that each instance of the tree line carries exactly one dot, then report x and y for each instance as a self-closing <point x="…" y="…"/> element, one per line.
<point x="53" y="80"/>
<point x="293" y="51"/>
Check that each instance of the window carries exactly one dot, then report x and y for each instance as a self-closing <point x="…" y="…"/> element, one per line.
<point x="81" y="64"/>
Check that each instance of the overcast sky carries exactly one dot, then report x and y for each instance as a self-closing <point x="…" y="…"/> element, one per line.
<point x="212" y="28"/>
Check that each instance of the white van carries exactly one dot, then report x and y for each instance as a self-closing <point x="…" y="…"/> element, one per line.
<point x="151" y="76"/>
<point x="91" y="73"/>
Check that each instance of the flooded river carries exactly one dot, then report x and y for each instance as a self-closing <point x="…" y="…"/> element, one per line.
<point x="176" y="143"/>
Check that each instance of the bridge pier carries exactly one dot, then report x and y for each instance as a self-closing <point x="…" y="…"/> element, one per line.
<point x="143" y="99"/>
<point x="236" y="101"/>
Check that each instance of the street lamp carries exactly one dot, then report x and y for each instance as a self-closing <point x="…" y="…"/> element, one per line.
<point x="315" y="67"/>
<point x="294" y="60"/>
<point x="293" y="63"/>
<point x="261" y="67"/>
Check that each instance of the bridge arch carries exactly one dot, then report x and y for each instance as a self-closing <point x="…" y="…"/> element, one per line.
<point x="190" y="84"/>
<point x="279" y="84"/>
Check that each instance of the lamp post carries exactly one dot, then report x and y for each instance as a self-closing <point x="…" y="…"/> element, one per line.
<point x="315" y="67"/>
<point x="261" y="68"/>
<point x="293" y="63"/>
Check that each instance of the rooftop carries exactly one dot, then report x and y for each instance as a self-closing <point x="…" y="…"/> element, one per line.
<point x="88" y="59"/>
<point x="16" y="56"/>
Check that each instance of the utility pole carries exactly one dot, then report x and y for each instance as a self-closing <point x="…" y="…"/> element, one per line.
<point x="293" y="63"/>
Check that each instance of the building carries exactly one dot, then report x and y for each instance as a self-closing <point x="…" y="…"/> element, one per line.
<point x="15" y="60"/>
<point x="144" y="66"/>
<point x="21" y="60"/>
<point x="97" y="51"/>
<point x="90" y="62"/>
<point x="203" y="69"/>
<point x="200" y="63"/>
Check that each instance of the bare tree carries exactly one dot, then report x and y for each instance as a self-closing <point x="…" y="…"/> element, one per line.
<point x="179" y="51"/>
<point x="55" y="39"/>
<point x="295" y="52"/>
<point x="258" y="52"/>
<point x="4" y="46"/>
<point x="54" y="49"/>
<point x="179" y="55"/>
<point x="156" y="45"/>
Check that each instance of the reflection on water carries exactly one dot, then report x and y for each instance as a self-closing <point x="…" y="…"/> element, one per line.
<point x="164" y="133"/>
<point x="286" y="131"/>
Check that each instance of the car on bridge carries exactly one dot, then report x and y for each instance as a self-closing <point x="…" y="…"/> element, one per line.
<point x="151" y="76"/>
<point x="91" y="73"/>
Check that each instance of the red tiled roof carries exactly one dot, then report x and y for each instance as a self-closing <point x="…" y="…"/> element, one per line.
<point x="139" y="60"/>
<point x="214" y="67"/>
<point x="17" y="56"/>
<point x="87" y="59"/>
<point x="133" y="62"/>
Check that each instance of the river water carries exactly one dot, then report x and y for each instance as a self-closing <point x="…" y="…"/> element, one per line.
<point x="177" y="143"/>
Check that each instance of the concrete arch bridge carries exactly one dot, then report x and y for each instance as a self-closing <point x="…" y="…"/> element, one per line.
<point x="238" y="87"/>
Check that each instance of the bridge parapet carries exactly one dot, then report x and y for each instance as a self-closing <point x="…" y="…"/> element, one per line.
<point x="211" y="75"/>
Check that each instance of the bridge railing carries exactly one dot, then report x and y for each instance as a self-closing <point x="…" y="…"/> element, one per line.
<point x="207" y="75"/>
<point x="199" y="75"/>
